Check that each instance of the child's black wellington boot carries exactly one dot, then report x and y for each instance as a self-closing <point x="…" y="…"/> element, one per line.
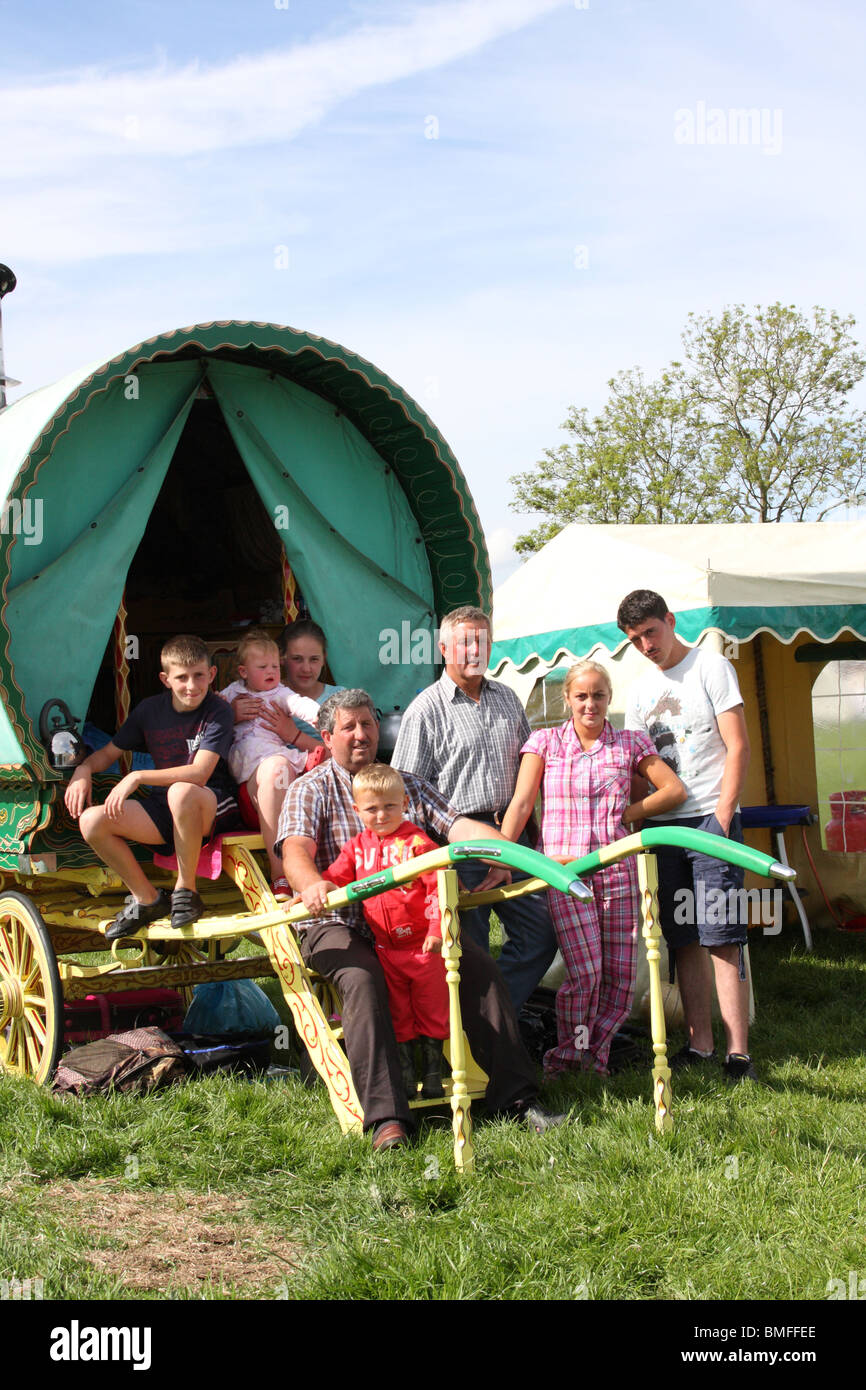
<point x="431" y="1068"/>
<point x="406" y="1052"/>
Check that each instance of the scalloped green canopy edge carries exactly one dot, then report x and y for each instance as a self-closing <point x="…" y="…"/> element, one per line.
<point x="386" y="416"/>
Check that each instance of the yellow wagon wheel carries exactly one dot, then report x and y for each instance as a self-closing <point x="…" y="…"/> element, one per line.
<point x="31" y="997"/>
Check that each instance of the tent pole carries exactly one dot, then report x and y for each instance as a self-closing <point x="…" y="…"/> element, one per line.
<point x="764" y="721"/>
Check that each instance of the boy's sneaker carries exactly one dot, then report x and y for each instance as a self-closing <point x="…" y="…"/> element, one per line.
<point x="688" y="1057"/>
<point x="738" y="1067"/>
<point x="186" y="907"/>
<point x="136" y="914"/>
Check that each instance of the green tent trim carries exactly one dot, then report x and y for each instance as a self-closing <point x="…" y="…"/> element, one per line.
<point x="824" y="622"/>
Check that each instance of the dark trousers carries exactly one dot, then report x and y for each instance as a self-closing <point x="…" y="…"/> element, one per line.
<point x="345" y="957"/>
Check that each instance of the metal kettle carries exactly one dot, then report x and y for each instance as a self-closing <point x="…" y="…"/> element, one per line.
<point x="65" y="747"/>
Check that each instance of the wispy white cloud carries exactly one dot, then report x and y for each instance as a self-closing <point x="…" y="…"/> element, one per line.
<point x="255" y="100"/>
<point x="153" y="213"/>
<point x="150" y="197"/>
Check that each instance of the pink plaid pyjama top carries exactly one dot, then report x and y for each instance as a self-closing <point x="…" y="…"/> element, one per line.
<point x="585" y="793"/>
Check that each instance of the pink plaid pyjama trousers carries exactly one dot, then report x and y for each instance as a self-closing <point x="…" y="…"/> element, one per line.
<point x="598" y="942"/>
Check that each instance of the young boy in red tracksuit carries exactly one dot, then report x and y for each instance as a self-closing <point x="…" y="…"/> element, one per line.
<point x="404" y="921"/>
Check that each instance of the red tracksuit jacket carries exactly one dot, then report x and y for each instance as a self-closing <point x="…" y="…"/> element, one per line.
<point x="402" y="917"/>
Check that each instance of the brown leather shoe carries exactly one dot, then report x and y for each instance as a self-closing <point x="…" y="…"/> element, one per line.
<point x="390" y="1134"/>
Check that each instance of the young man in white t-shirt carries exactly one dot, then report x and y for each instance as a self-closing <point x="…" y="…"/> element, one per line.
<point x="692" y="709"/>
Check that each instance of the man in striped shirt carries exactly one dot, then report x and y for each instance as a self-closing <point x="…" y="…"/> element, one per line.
<point x="317" y="819"/>
<point x="464" y="734"/>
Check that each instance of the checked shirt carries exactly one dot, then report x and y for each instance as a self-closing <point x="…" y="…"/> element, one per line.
<point x="469" y="749"/>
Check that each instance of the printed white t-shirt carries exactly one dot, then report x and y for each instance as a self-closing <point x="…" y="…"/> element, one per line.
<point x="678" y="708"/>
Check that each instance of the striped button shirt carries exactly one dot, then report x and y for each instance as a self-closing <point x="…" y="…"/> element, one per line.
<point x="319" y="806"/>
<point x="469" y="750"/>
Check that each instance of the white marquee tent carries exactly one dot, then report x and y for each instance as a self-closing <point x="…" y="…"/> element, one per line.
<point x="733" y="580"/>
<point x="786" y="602"/>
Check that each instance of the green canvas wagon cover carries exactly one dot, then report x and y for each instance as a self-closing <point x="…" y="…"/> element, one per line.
<point x="177" y="482"/>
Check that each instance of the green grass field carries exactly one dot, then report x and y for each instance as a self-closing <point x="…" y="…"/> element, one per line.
<point x="223" y="1188"/>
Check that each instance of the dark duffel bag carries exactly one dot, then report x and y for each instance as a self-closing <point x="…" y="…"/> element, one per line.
<point x="140" y="1060"/>
<point x="207" y="1054"/>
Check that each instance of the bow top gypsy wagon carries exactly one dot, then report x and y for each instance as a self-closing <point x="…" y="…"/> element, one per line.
<point x="211" y="477"/>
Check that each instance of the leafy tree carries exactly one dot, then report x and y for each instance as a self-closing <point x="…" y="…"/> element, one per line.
<point x="751" y="426"/>
<point x="776" y="387"/>
<point x="646" y="457"/>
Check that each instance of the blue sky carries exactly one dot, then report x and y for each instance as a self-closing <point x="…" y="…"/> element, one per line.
<point x="486" y="198"/>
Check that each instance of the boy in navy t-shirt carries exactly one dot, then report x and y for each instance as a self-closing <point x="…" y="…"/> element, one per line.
<point x="187" y="730"/>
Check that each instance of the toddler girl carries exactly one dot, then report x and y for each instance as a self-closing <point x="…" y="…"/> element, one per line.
<point x="259" y="758"/>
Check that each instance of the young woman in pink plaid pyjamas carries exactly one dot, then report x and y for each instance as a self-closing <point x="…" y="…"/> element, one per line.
<point x="586" y="767"/>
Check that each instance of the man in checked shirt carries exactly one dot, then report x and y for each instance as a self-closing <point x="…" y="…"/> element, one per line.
<point x="464" y="734"/>
<point x="317" y="819"/>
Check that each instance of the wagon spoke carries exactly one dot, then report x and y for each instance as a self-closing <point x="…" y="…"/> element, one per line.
<point x="33" y="974"/>
<point x="27" y="957"/>
<point x="37" y="1024"/>
<point x="31" y="1042"/>
<point x="18" y="942"/>
<point x="13" y="1045"/>
<point x="7" y="954"/>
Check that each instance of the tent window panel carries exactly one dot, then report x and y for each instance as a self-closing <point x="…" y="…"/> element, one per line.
<point x="544" y="708"/>
<point x="839" y="722"/>
<point x="852" y="677"/>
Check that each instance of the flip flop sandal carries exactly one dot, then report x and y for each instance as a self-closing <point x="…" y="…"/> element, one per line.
<point x="186" y="907"/>
<point x="135" y="914"/>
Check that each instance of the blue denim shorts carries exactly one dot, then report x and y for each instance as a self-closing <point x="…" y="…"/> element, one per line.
<point x="699" y="899"/>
